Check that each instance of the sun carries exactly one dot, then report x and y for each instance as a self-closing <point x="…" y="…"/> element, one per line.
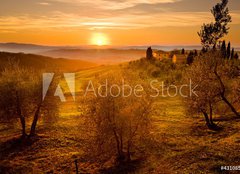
<point x="99" y="39"/>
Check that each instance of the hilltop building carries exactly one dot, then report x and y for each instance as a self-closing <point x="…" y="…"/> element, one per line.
<point x="160" y="55"/>
<point x="175" y="56"/>
<point x="179" y="58"/>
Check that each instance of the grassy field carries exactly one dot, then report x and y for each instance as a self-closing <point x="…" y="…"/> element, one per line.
<point x="183" y="143"/>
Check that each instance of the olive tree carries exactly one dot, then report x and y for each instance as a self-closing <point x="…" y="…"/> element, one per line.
<point x="211" y="75"/>
<point x="21" y="96"/>
<point x="117" y="125"/>
<point x="207" y="91"/>
<point x="212" y="32"/>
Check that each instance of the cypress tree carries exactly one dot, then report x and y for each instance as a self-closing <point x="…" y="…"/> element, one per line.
<point x="232" y="54"/>
<point x="223" y="49"/>
<point x="190" y="58"/>
<point x="229" y="50"/>
<point x="149" y="53"/>
<point x="195" y="53"/>
<point x="183" y="51"/>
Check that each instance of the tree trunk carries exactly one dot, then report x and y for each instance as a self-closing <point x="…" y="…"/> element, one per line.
<point x="76" y="166"/>
<point x="21" y="117"/>
<point x="211" y="113"/>
<point x="208" y="123"/>
<point x="223" y="94"/>
<point x="230" y="105"/>
<point x="118" y="140"/>
<point x="118" y="143"/>
<point x="128" y="151"/>
<point x="35" y="120"/>
<point x="121" y="141"/>
<point x="23" y="124"/>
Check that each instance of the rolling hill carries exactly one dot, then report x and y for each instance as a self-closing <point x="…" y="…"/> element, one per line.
<point x="43" y="62"/>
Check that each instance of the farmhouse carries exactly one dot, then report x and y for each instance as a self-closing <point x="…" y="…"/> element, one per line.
<point x="175" y="56"/>
<point x="179" y="58"/>
<point x="160" y="55"/>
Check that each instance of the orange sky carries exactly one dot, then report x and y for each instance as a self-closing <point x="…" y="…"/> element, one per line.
<point x="132" y="22"/>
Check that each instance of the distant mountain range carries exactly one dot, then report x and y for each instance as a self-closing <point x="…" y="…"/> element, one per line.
<point x="29" y="48"/>
<point x="26" y="48"/>
<point x="96" y="54"/>
<point x="33" y="48"/>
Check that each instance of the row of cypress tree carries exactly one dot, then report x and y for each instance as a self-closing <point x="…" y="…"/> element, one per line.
<point x="227" y="53"/>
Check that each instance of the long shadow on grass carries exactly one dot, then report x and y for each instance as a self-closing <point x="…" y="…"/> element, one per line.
<point x="123" y="168"/>
<point x="15" y="145"/>
<point x="224" y="127"/>
<point x="226" y="118"/>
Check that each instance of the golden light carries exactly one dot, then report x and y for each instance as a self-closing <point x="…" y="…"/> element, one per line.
<point x="99" y="39"/>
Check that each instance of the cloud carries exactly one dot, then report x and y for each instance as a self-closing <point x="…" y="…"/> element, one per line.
<point x="115" y="4"/>
<point x="44" y="3"/>
<point x="60" y="20"/>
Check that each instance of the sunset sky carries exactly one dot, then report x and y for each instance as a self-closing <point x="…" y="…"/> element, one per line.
<point x="111" y="22"/>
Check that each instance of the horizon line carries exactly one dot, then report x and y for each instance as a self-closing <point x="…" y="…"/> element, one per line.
<point x="111" y="46"/>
